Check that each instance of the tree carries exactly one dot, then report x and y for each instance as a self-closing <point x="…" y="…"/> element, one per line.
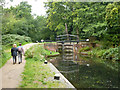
<point x="83" y="18"/>
<point x="113" y="22"/>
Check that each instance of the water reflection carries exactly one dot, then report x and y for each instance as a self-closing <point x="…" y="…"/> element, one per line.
<point x="85" y="72"/>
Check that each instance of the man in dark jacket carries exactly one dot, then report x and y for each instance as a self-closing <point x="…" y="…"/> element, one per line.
<point x="14" y="53"/>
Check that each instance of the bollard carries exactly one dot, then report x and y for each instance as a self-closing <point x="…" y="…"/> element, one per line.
<point x="88" y="65"/>
<point x="87" y="40"/>
<point x="45" y="62"/>
<point x="57" y="76"/>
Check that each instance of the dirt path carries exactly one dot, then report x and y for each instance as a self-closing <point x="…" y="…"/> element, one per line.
<point x="10" y="74"/>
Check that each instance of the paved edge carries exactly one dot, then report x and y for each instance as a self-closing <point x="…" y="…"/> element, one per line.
<point x="53" y="68"/>
<point x="0" y="79"/>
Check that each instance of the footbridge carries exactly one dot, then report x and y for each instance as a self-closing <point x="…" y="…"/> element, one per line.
<point x="66" y="42"/>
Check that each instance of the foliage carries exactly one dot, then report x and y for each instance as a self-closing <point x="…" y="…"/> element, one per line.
<point x="38" y="49"/>
<point x="86" y="19"/>
<point x="84" y="49"/>
<point x="10" y="39"/>
<point x="18" y="20"/>
<point x="111" y="53"/>
<point x="113" y="22"/>
<point x="5" y="55"/>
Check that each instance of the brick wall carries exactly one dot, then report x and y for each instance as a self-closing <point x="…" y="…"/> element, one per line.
<point x="51" y="46"/>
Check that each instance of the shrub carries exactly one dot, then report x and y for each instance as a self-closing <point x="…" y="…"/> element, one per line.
<point x="4" y="56"/>
<point x="35" y="52"/>
<point x="10" y="39"/>
<point x="100" y="53"/>
<point x="111" y="53"/>
<point x="29" y="53"/>
<point x="84" y="49"/>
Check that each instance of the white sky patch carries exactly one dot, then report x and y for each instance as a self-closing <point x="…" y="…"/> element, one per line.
<point x="37" y="5"/>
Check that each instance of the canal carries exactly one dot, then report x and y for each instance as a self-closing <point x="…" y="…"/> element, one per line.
<point x="85" y="72"/>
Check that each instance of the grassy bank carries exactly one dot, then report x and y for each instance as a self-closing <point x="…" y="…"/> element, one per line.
<point x="37" y="74"/>
<point x="6" y="55"/>
<point x="109" y="53"/>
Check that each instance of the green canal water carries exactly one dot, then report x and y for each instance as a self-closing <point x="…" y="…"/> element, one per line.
<point x="84" y="72"/>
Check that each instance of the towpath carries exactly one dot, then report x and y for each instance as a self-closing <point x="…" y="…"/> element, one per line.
<point x="10" y="75"/>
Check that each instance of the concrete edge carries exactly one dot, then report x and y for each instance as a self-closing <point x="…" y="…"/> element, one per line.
<point x="53" y="55"/>
<point x="53" y="68"/>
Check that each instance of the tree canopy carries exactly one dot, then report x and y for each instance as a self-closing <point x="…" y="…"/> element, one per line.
<point x="85" y="19"/>
<point x="18" y="20"/>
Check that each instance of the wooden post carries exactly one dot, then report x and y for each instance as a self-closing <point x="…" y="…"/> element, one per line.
<point x="66" y="31"/>
<point x="77" y="33"/>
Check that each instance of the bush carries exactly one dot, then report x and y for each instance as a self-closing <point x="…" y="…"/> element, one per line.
<point x="37" y="52"/>
<point x="4" y="56"/>
<point x="29" y="53"/>
<point x="100" y="53"/>
<point x="84" y="49"/>
<point x="111" y="53"/>
<point x="10" y="39"/>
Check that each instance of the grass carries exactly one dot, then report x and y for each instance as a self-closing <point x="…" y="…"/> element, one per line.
<point x="5" y="57"/>
<point x="37" y="74"/>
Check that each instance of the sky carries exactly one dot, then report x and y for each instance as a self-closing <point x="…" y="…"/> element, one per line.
<point x="37" y="5"/>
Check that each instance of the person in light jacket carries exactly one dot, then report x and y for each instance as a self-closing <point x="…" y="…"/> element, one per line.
<point x="20" y="52"/>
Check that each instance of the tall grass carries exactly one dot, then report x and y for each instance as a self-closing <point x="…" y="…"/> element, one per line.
<point x="5" y="56"/>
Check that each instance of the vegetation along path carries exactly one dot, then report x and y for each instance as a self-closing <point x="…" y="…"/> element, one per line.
<point x="11" y="73"/>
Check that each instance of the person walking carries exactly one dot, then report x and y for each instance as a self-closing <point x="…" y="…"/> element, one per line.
<point x="14" y="53"/>
<point x="20" y="52"/>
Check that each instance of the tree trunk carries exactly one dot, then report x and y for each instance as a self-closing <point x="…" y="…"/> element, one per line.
<point x="66" y="31"/>
<point x="77" y="33"/>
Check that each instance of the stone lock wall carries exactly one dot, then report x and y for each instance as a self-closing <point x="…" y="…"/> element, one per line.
<point x="76" y="47"/>
<point x="51" y="46"/>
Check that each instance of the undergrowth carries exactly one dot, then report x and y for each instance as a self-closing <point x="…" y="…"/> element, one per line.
<point x="111" y="53"/>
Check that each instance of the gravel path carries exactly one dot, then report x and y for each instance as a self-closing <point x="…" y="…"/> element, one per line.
<point x="10" y="74"/>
